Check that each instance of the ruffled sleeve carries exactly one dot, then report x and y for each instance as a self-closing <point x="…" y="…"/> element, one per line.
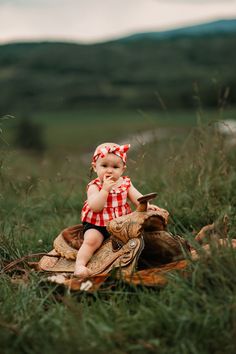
<point x="95" y="182"/>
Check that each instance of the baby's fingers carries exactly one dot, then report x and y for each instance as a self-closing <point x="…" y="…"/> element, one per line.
<point x="107" y="178"/>
<point x="153" y="207"/>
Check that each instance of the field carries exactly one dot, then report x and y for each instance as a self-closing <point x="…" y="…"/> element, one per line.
<point x="191" y="167"/>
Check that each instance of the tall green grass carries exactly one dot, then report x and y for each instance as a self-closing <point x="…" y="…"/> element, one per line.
<point x="191" y="315"/>
<point x="195" y="178"/>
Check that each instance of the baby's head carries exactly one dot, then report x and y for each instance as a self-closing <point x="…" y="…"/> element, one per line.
<point x="109" y="159"/>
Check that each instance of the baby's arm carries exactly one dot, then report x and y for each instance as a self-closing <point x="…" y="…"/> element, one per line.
<point x="134" y="194"/>
<point x="97" y="199"/>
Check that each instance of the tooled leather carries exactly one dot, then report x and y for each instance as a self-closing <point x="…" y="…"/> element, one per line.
<point x="104" y="259"/>
<point x="74" y="235"/>
<point x="101" y="262"/>
<point x="63" y="248"/>
<point x="55" y="263"/>
<point x="69" y="241"/>
<point x="130" y="226"/>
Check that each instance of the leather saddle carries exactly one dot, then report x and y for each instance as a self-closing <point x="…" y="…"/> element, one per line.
<point x="138" y="240"/>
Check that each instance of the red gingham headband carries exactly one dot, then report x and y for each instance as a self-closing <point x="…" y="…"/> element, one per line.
<point x="118" y="150"/>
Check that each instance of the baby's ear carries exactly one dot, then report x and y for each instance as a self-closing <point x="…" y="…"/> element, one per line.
<point x="94" y="166"/>
<point x="124" y="167"/>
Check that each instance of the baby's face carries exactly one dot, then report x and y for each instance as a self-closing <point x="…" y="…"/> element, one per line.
<point x="109" y="166"/>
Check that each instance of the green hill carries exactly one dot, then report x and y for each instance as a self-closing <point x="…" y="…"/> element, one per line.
<point x="202" y="29"/>
<point x="138" y="74"/>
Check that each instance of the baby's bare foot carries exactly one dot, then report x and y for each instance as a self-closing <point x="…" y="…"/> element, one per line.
<point x="82" y="271"/>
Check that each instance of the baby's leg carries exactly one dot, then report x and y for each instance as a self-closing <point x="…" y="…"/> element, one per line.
<point x="92" y="241"/>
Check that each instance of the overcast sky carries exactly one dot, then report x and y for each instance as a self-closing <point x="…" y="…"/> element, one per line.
<point x="97" y="20"/>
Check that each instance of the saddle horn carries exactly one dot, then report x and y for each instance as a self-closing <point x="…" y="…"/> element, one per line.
<point x="143" y="201"/>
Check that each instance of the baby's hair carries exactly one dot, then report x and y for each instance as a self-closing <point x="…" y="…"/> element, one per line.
<point x="91" y="172"/>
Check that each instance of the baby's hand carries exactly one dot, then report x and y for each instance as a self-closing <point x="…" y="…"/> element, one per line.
<point x="163" y="212"/>
<point x="108" y="183"/>
<point x="153" y="207"/>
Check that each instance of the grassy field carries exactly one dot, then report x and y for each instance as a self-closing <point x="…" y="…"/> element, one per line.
<point x="79" y="131"/>
<point x="194" y="175"/>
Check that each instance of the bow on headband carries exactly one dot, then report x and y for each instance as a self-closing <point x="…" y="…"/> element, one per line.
<point x="118" y="150"/>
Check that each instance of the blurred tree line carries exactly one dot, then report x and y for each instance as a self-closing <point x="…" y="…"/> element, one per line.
<point x="29" y="135"/>
<point x="138" y="74"/>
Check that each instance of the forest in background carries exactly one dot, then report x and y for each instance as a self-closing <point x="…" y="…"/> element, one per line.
<point x="171" y="73"/>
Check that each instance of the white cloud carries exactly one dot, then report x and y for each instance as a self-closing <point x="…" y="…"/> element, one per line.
<point x="24" y="2"/>
<point x="93" y="20"/>
<point x="195" y="1"/>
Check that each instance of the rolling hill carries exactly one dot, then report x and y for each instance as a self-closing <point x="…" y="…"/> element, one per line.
<point x="204" y="29"/>
<point x="174" y="72"/>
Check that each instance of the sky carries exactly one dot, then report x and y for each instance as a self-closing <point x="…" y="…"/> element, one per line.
<point x="90" y="21"/>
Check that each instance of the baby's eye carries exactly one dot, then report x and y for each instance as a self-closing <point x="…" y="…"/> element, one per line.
<point x="104" y="165"/>
<point x="116" y="166"/>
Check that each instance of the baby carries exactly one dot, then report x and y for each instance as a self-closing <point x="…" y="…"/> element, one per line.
<point x="107" y="197"/>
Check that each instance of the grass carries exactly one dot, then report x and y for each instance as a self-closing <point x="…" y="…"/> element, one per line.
<point x="192" y="315"/>
<point x="79" y="130"/>
<point x="195" y="178"/>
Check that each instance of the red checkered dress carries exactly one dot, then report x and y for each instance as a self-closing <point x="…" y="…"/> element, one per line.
<point x="115" y="206"/>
